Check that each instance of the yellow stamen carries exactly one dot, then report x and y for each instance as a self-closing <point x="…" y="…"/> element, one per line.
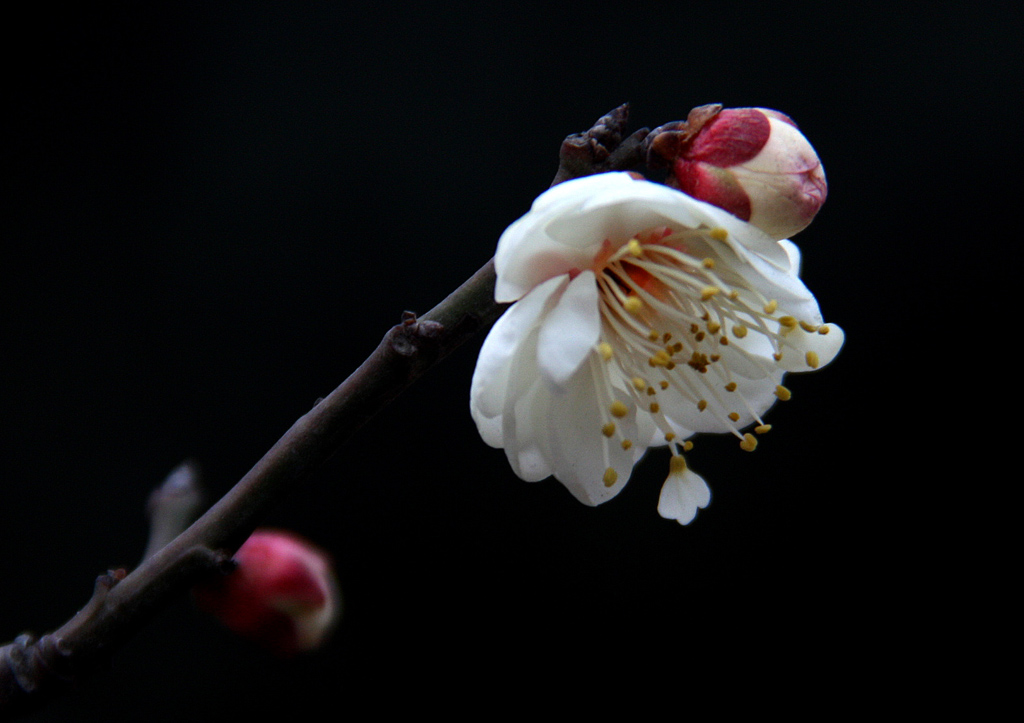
<point x="734" y="416"/>
<point x="730" y="387"/>
<point x="687" y="446"/>
<point x="610" y="477"/>
<point x="783" y="393"/>
<point x="634" y="247"/>
<point x="771" y="306"/>
<point x="763" y="428"/>
<point x="632" y="304"/>
<point x="639" y="384"/>
<point x="708" y="263"/>
<point x="605" y="350"/>
<point x="702" y="405"/>
<point x="812" y="359"/>
<point x="823" y="329"/>
<point x="749" y="443"/>
<point x="676" y="464"/>
<point x="655" y="408"/>
<point x="739" y="331"/>
<point x="609" y="429"/>
<point x="626" y="444"/>
<point x="618" y="409"/>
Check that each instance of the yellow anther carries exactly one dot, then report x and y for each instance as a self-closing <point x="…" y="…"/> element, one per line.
<point x="763" y="428"/>
<point x="605" y="350"/>
<point x="749" y="443"/>
<point x="655" y="407"/>
<point x="632" y="304"/>
<point x="734" y="416"/>
<point x="677" y="347"/>
<point x="733" y="295"/>
<point x="812" y="359"/>
<point x="626" y="444"/>
<point x="609" y="429"/>
<point x="634" y="247"/>
<point x="715" y="357"/>
<point x="783" y="393"/>
<point x="676" y="464"/>
<point x="694" y="328"/>
<point x="687" y="446"/>
<point x="724" y="341"/>
<point x="788" y="322"/>
<point x="707" y="292"/>
<point x="823" y="329"/>
<point x="651" y="391"/>
<point x="639" y="384"/>
<point x="702" y="405"/>
<point x="777" y="356"/>
<point x="739" y="331"/>
<point x="618" y="409"/>
<point x="610" y="477"/>
<point x="730" y="387"/>
<point x="771" y="306"/>
<point x="663" y="384"/>
<point x="808" y="327"/>
<point x="708" y="263"/>
<point x="660" y="358"/>
<point x="718" y="233"/>
<point x="666" y="337"/>
<point x="669" y="436"/>
<point x="714" y="326"/>
<point x="699" y="336"/>
<point x="653" y="335"/>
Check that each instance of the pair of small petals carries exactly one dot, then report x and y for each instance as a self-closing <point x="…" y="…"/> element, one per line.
<point x="683" y="493"/>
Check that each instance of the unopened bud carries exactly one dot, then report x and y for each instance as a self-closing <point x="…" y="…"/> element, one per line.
<point x="283" y="594"/>
<point x="752" y="162"/>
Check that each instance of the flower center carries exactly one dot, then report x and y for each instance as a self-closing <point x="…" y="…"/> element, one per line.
<point x="681" y="327"/>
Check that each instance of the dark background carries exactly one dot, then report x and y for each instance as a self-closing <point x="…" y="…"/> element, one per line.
<point x="214" y="211"/>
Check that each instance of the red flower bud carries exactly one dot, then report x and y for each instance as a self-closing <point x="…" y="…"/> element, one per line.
<point x="283" y="594"/>
<point x="752" y="162"/>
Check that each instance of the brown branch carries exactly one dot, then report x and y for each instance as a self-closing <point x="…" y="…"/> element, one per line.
<point x="32" y="670"/>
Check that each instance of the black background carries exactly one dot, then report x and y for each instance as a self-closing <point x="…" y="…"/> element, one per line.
<point x="214" y="212"/>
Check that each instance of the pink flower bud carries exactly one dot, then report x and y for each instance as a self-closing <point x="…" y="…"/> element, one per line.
<point x="283" y="594"/>
<point x="752" y="162"/>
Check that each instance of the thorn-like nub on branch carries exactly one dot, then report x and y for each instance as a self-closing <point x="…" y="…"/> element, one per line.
<point x="601" y="148"/>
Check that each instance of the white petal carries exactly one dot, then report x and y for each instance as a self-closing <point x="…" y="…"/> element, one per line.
<point x="570" y="330"/>
<point x="799" y="343"/>
<point x="527" y="251"/>
<point x="491" y="376"/>
<point x="581" y="454"/>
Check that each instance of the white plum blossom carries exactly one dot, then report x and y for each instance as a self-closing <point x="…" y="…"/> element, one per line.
<point x="642" y="316"/>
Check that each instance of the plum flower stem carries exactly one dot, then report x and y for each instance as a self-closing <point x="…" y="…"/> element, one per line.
<point x="33" y="670"/>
